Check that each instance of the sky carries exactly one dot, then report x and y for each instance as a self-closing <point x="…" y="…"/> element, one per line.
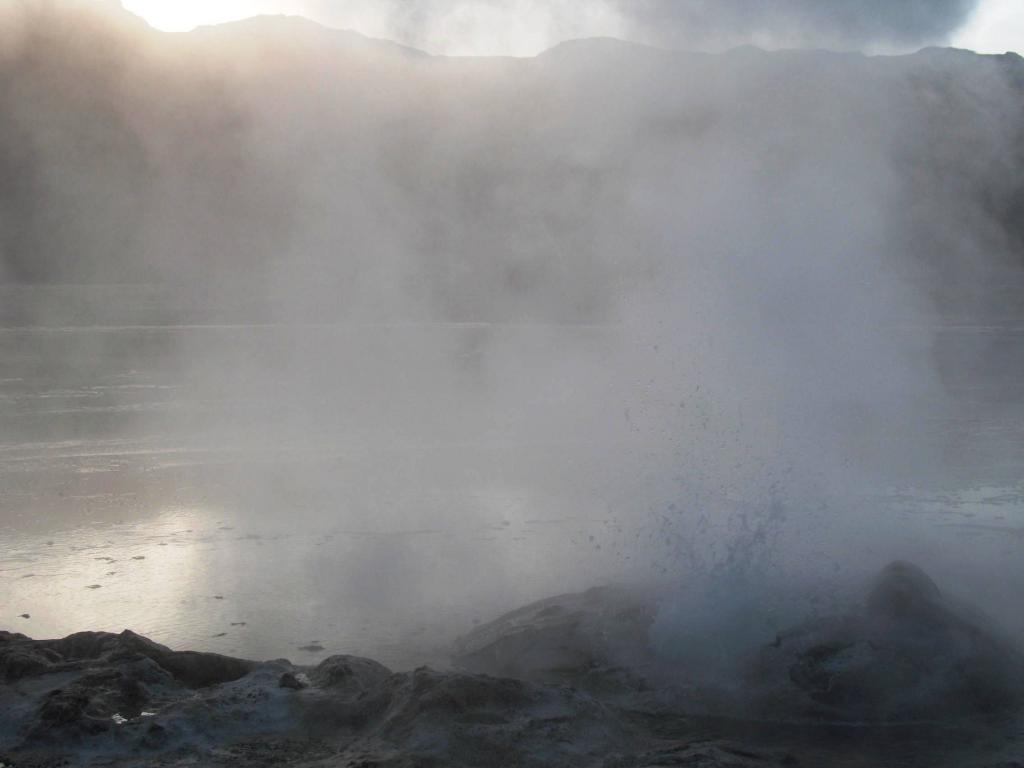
<point x="526" y="27"/>
<point x="997" y="27"/>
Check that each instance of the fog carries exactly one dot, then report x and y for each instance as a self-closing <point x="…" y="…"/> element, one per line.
<point x="702" y="309"/>
<point x="528" y="27"/>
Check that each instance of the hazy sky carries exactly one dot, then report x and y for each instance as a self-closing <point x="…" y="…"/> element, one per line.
<point x="525" y="27"/>
<point x="997" y="26"/>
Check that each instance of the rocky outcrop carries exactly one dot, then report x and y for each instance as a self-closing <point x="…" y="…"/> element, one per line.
<point x="123" y="700"/>
<point x="598" y="638"/>
<point x="568" y="681"/>
<point x="909" y="654"/>
<point x="349" y="674"/>
<point x="21" y="657"/>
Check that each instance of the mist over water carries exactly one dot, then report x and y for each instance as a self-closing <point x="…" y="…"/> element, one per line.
<point x="354" y="337"/>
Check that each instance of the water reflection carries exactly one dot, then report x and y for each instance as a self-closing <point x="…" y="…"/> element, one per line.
<point x="194" y="578"/>
<point x="220" y="534"/>
<point x="107" y="577"/>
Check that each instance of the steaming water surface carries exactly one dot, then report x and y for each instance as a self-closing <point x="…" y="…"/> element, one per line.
<point x="135" y="497"/>
<point x="121" y="503"/>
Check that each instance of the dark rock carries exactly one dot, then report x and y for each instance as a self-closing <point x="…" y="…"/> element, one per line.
<point x="350" y="674"/>
<point x="292" y="681"/>
<point x="707" y="754"/>
<point x="904" y="591"/>
<point x="194" y="669"/>
<point x="436" y="718"/>
<point x="21" y="657"/>
<point x="563" y="639"/>
<point x="17" y="664"/>
<point x="910" y="654"/>
<point x="87" y="706"/>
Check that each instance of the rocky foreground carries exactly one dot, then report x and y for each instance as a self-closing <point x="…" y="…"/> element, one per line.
<point x="908" y="678"/>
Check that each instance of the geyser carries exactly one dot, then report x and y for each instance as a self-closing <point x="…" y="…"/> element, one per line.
<point x="319" y="347"/>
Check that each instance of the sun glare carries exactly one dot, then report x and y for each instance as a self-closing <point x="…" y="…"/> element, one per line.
<point x="996" y="27"/>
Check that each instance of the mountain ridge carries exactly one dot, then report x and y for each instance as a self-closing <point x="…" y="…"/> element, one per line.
<point x="255" y="21"/>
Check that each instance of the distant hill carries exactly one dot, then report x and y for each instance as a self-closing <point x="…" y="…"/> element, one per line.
<point x="369" y="176"/>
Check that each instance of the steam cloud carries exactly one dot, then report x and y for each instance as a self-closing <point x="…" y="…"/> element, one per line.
<point x="678" y="291"/>
<point x="435" y="25"/>
<point x="797" y="23"/>
<point x="526" y="27"/>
